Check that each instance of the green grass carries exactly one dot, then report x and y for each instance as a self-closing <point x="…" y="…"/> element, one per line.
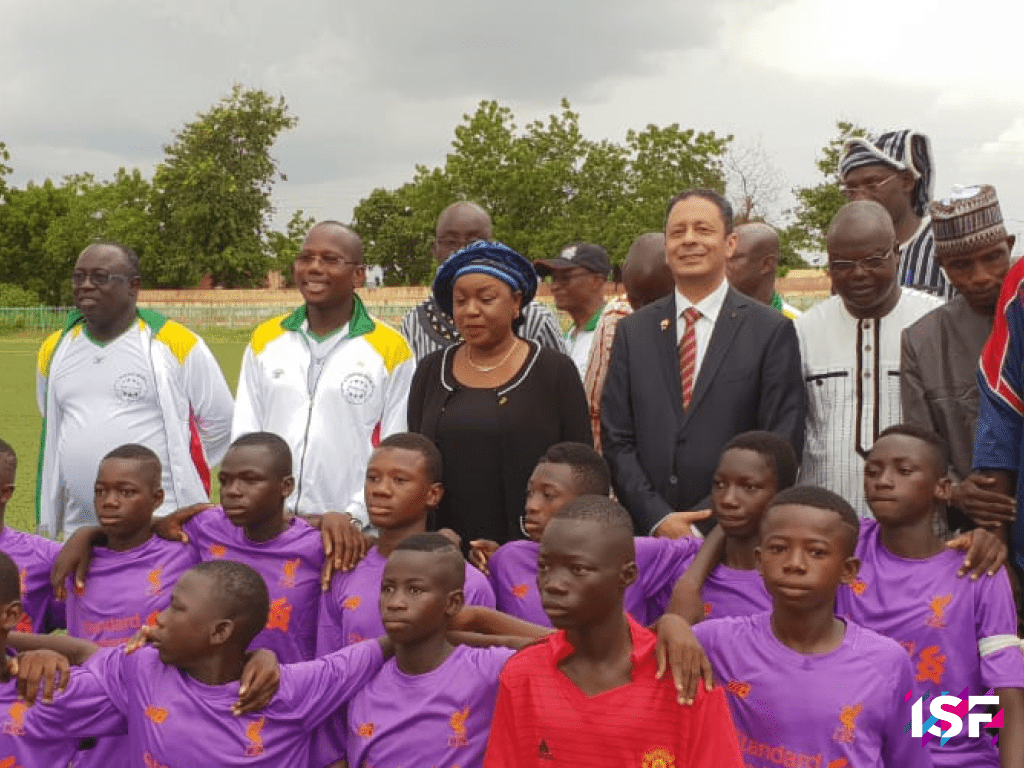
<point x="21" y="419"/>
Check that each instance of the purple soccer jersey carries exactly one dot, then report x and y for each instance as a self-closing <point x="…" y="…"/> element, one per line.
<point x="47" y="735"/>
<point x="34" y="556"/>
<point x="290" y="565"/>
<point x="350" y="609"/>
<point x="449" y="710"/>
<point x="726" y="592"/>
<point x="843" y="709"/>
<point x="513" y="570"/>
<point x="175" y="721"/>
<point x="940" y="620"/>
<point x="123" y="591"/>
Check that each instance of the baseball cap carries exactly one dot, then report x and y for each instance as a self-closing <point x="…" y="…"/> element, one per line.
<point x="586" y="255"/>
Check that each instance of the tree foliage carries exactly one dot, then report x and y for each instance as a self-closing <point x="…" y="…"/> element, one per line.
<point x="207" y="210"/>
<point x="211" y="194"/>
<point x="818" y="204"/>
<point x="545" y="185"/>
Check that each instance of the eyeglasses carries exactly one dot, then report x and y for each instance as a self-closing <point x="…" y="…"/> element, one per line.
<point x="327" y="259"/>
<point x="870" y="263"/>
<point x="99" y="279"/>
<point x="867" y="187"/>
<point x="566" y="276"/>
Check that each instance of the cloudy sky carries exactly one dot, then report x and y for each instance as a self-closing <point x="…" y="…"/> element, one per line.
<point x="378" y="86"/>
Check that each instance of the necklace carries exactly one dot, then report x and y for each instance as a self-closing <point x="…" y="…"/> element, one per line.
<point x="489" y="368"/>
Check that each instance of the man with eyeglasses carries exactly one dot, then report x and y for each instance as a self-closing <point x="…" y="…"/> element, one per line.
<point x="895" y="170"/>
<point x="428" y="328"/>
<point x="850" y="348"/>
<point x="578" y="276"/>
<point x="940" y="352"/>
<point x="118" y="374"/>
<point x="328" y="378"/>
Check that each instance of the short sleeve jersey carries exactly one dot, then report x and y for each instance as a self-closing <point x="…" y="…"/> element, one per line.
<point x="449" y="709"/>
<point x="125" y="590"/>
<point x="290" y="564"/>
<point x="513" y="570"/>
<point x="177" y="722"/>
<point x="940" y="620"/>
<point x="542" y="719"/>
<point x="34" y="556"/>
<point x="350" y="609"/>
<point x="841" y="708"/>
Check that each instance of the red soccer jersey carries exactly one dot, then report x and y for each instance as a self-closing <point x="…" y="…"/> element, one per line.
<point x="542" y="719"/>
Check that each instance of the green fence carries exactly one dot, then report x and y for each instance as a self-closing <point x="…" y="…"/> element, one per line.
<point x="239" y="316"/>
<point x="242" y="315"/>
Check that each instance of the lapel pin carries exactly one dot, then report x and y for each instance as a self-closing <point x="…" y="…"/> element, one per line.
<point x="664" y="325"/>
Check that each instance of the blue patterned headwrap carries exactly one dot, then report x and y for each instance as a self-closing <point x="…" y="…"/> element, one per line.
<point x="481" y="257"/>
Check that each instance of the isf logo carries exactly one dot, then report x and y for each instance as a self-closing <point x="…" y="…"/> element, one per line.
<point x="947" y="716"/>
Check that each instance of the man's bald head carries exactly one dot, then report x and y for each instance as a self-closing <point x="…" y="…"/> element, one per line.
<point x="752" y="266"/>
<point x="860" y="220"/>
<point x="760" y="238"/>
<point x="645" y="274"/>
<point x="863" y="259"/>
<point x="346" y="240"/>
<point x="459" y="225"/>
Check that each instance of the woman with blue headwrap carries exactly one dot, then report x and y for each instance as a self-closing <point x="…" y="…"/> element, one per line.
<point x="493" y="403"/>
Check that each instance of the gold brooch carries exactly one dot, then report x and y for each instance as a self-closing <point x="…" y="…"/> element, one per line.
<point x="665" y="324"/>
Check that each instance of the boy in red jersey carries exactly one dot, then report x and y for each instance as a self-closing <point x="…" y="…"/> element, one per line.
<point x="599" y="668"/>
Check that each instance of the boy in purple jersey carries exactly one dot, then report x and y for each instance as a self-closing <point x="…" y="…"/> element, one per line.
<point x="565" y="472"/>
<point x="34" y="556"/>
<point x="806" y="688"/>
<point x="403" y="484"/>
<point x="252" y="526"/>
<point x="722" y="579"/>
<point x="179" y="694"/>
<point x="131" y="577"/>
<point x="432" y="704"/>
<point x="38" y="737"/>
<point x="960" y="633"/>
<point x="753" y="468"/>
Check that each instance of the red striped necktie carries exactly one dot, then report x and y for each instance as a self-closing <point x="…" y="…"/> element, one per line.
<point x="688" y="354"/>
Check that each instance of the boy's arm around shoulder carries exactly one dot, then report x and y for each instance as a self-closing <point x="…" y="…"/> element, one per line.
<point x="686" y="599"/>
<point x="44" y="662"/>
<point x="487" y="621"/>
<point x="74" y="558"/>
<point x="313" y="690"/>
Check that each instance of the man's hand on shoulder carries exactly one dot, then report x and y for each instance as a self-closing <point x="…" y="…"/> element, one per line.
<point x="978" y="497"/>
<point x="679" y="524"/>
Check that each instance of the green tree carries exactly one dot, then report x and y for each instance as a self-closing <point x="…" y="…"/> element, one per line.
<point x="818" y="204"/>
<point x="545" y="185"/>
<point x="5" y="170"/>
<point x="25" y="219"/>
<point x="285" y="245"/>
<point x="114" y="210"/>
<point x="212" y="192"/>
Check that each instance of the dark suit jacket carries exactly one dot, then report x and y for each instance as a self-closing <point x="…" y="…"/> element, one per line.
<point x="663" y="461"/>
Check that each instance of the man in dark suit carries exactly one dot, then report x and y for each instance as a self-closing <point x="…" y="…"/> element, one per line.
<point x="691" y="371"/>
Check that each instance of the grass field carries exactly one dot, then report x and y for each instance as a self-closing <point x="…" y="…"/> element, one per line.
<point x="21" y="419"/>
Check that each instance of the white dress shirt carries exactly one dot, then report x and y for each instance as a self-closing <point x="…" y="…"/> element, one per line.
<point x="709" y="307"/>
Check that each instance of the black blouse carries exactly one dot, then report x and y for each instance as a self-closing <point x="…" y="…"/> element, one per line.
<point x="491" y="439"/>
